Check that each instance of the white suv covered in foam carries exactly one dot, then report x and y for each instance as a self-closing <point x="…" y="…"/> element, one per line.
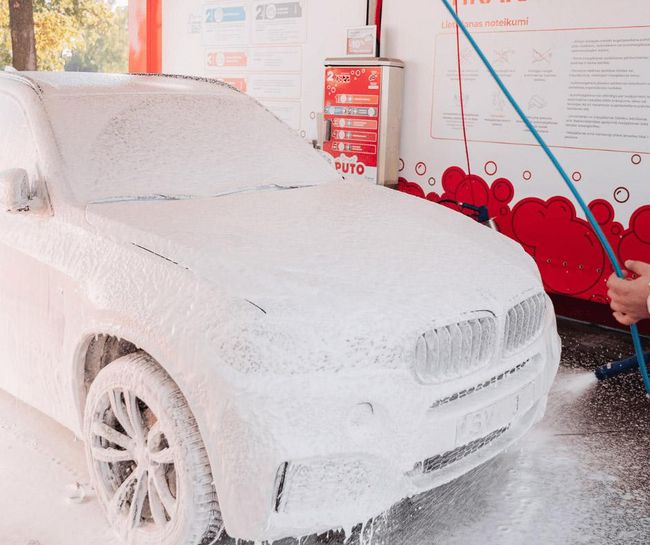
<point x="241" y="338"/>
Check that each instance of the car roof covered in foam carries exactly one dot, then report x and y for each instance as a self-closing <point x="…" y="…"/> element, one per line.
<point x="85" y="83"/>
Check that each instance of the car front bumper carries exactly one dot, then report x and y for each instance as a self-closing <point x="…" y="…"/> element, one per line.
<point x="306" y="455"/>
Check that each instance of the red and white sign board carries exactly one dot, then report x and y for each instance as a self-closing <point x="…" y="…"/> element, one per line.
<point x="363" y="114"/>
<point x="580" y="71"/>
<point x="352" y="98"/>
<point x="362" y="41"/>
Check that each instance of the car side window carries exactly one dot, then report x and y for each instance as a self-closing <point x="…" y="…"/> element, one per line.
<point x="17" y="144"/>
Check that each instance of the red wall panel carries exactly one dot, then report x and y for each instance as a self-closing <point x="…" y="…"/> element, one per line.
<point x="145" y="36"/>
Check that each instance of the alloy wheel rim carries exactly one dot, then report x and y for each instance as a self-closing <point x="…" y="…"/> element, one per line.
<point x="133" y="462"/>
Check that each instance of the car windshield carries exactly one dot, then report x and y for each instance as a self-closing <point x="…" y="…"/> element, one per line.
<point x="172" y="145"/>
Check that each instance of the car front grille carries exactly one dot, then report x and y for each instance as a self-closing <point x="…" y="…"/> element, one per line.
<point x="490" y="382"/>
<point x="455" y="350"/>
<point x="524" y="323"/>
<point x="441" y="461"/>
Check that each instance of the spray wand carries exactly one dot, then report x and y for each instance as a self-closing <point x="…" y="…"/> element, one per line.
<point x="636" y="338"/>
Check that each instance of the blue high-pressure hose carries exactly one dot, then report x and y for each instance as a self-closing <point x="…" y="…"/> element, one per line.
<point x="636" y="338"/>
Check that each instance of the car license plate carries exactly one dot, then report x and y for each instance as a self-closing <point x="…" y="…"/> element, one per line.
<point x="481" y="423"/>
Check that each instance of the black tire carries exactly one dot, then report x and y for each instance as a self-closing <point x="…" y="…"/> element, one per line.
<point x="146" y="457"/>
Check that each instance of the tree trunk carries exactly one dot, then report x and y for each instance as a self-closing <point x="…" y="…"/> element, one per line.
<point x="23" y="43"/>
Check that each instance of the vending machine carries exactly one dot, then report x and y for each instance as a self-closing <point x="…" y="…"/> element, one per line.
<point x="360" y="129"/>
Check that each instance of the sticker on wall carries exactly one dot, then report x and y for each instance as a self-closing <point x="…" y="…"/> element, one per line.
<point x="220" y="59"/>
<point x="362" y="41"/>
<point x="225" y="23"/>
<point x="279" y="22"/>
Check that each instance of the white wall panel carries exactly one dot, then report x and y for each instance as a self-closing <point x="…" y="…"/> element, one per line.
<point x="273" y="49"/>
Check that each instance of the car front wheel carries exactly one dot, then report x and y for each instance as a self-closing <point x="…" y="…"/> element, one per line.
<point x="147" y="461"/>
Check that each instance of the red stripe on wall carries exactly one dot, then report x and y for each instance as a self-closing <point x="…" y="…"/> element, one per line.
<point x="378" y="14"/>
<point x="145" y="36"/>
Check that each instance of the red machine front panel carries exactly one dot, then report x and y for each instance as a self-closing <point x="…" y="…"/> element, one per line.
<point x="352" y="105"/>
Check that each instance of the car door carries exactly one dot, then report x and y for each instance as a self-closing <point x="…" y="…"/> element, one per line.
<point x="31" y="326"/>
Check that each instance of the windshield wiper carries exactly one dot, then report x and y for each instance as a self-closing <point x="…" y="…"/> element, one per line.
<point x="260" y="188"/>
<point x="163" y="197"/>
<point x="153" y="197"/>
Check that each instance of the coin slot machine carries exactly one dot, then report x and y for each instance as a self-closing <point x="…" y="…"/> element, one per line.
<point x="362" y="117"/>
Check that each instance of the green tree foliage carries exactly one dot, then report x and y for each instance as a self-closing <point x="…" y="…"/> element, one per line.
<point x="85" y="35"/>
<point x="5" y="35"/>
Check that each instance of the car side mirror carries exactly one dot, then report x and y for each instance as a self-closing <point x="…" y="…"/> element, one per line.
<point x="15" y="193"/>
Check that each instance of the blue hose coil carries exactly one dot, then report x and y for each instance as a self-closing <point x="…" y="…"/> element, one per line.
<point x="636" y="338"/>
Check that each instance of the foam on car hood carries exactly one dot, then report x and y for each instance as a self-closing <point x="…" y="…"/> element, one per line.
<point x="340" y="249"/>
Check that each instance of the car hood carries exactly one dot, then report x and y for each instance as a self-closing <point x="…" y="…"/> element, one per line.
<point x="343" y="253"/>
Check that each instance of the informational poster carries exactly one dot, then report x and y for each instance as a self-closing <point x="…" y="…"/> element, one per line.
<point x="581" y="89"/>
<point x="279" y="22"/>
<point x="273" y="50"/>
<point x="581" y="71"/>
<point x="225" y="23"/>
